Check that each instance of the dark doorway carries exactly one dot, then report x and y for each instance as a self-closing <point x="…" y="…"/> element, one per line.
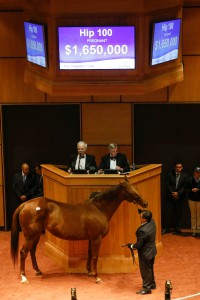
<point x="36" y="134"/>
<point x="165" y="133"/>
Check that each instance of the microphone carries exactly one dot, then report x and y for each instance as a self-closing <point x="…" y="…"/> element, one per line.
<point x="79" y="161"/>
<point x="80" y="156"/>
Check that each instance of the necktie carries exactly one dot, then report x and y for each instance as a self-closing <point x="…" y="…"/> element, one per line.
<point x="112" y="158"/>
<point x="24" y="178"/>
<point x="177" y="179"/>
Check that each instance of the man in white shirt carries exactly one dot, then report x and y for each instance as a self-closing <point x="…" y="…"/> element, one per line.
<point x="82" y="160"/>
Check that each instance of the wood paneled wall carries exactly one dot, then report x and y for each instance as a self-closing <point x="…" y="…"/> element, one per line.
<point x="115" y="110"/>
<point x="104" y="123"/>
<point x="1" y="181"/>
<point x="107" y="123"/>
<point x="189" y="89"/>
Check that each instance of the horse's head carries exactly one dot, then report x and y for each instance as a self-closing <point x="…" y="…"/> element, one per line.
<point x="132" y="195"/>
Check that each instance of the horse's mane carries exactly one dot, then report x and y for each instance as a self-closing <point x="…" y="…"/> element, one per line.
<point x="99" y="196"/>
<point x="93" y="194"/>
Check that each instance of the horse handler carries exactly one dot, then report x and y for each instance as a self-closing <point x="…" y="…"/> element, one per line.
<point x="146" y="247"/>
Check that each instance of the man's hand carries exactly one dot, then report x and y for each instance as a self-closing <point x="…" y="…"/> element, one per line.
<point x="175" y="195"/>
<point x="194" y="190"/>
<point x="118" y="168"/>
<point x="100" y="171"/>
<point x="23" y="198"/>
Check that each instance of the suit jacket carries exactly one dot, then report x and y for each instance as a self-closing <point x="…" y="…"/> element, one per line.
<point x="38" y="192"/>
<point x="190" y="184"/>
<point x="171" y="184"/>
<point x="20" y="188"/>
<point x="145" y="245"/>
<point x="121" y="161"/>
<point x="90" y="162"/>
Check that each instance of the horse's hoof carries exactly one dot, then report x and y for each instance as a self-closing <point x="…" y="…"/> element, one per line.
<point x="38" y="273"/>
<point x="98" y="280"/>
<point x="24" y="279"/>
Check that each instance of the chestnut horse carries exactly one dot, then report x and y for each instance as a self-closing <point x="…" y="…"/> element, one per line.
<point x="81" y="221"/>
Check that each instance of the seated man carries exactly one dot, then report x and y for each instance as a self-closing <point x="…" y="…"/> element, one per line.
<point x="82" y="161"/>
<point x="114" y="160"/>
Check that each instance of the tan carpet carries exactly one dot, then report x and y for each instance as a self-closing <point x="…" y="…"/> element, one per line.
<point x="179" y="262"/>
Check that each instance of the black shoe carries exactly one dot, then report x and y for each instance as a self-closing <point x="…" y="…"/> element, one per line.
<point x="144" y="292"/>
<point x="153" y="287"/>
<point x="194" y="234"/>
<point x="166" y="230"/>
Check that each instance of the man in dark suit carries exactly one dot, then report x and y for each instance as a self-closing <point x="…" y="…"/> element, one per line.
<point x="146" y="247"/>
<point x="114" y="160"/>
<point x="24" y="184"/>
<point x="82" y="160"/>
<point x="38" y="192"/>
<point x="175" y="185"/>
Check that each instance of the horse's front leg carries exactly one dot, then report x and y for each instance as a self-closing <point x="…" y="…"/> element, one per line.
<point x="33" y="257"/>
<point x="95" y="246"/>
<point x="89" y="258"/>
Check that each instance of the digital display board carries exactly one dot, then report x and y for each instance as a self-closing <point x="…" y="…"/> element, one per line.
<point x="165" y="41"/>
<point x="35" y="43"/>
<point x="96" y="47"/>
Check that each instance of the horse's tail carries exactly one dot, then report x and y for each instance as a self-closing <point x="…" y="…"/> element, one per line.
<point x="15" y="234"/>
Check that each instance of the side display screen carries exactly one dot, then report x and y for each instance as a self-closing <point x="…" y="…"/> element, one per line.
<point x="165" y="41"/>
<point x="96" y="47"/>
<point x="35" y="44"/>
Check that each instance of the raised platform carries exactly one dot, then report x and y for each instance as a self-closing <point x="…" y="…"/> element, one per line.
<point x="64" y="187"/>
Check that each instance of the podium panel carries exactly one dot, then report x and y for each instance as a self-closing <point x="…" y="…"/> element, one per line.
<point x="71" y="188"/>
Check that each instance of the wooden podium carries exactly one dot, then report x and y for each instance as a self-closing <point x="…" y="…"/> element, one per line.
<point x="113" y="258"/>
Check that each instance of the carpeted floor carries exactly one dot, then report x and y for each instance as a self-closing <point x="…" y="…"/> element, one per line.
<point x="179" y="262"/>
